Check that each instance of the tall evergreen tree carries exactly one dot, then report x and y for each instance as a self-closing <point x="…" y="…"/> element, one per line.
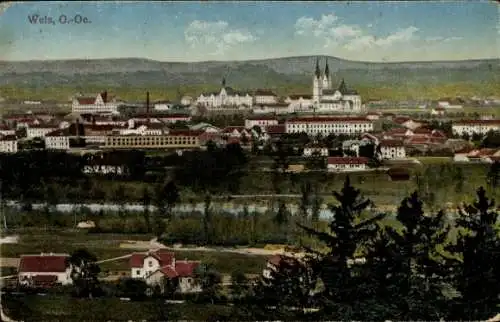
<point x="477" y="275"/>
<point x="343" y="285"/>
<point x="405" y="267"/>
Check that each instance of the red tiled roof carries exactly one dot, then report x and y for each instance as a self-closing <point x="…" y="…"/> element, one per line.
<point x="401" y="119"/>
<point x="186" y="268"/>
<point x="297" y="96"/>
<point x="164" y="257"/>
<point x="422" y="131"/>
<point x="328" y="119"/>
<point x="276" y="129"/>
<point x="437" y="133"/>
<point x="169" y="271"/>
<point x="347" y="160"/>
<point x="418" y="140"/>
<point x="494" y="159"/>
<point x="394" y="143"/>
<point x="261" y="118"/>
<point x="43" y="126"/>
<point x="161" y="115"/>
<point x="86" y="100"/>
<point x="264" y="92"/>
<point x="276" y="260"/>
<point x="477" y="122"/>
<point x="196" y="133"/>
<point x="230" y="129"/>
<point x="43" y="263"/>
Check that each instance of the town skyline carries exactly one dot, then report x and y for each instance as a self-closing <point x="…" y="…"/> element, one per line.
<point x="197" y="32"/>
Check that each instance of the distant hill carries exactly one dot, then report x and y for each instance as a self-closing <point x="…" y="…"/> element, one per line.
<point x="243" y="74"/>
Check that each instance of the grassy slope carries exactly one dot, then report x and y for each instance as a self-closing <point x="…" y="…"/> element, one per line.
<point x="106" y="246"/>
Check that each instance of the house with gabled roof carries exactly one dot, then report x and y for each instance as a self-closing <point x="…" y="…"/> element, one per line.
<point x="156" y="266"/>
<point x="226" y="97"/>
<point x="100" y="103"/>
<point x="44" y="270"/>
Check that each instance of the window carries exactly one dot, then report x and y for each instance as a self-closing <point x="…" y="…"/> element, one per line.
<point x="138" y="272"/>
<point x="150" y="263"/>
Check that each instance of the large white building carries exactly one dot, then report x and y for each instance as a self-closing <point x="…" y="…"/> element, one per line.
<point x="39" y="131"/>
<point x="475" y="126"/>
<point x="392" y="149"/>
<point x="8" y="144"/>
<point x="328" y="125"/>
<point x="226" y="97"/>
<point x="101" y="103"/>
<point x="265" y="96"/>
<point x="328" y="99"/>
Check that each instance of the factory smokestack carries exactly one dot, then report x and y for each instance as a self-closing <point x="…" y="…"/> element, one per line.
<point x="147" y="106"/>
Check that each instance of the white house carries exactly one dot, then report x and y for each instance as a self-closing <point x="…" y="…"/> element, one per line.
<point x="475" y="126"/>
<point x="186" y="100"/>
<point x="8" y="144"/>
<point x="5" y="130"/>
<point x="392" y="149"/>
<point x="57" y="140"/>
<point x="260" y="121"/>
<point x="39" y="131"/>
<point x="346" y="164"/>
<point x="101" y="103"/>
<point x="448" y="105"/>
<point x="265" y="96"/>
<point x="315" y="150"/>
<point x="226" y="97"/>
<point x="276" y="108"/>
<point x="155" y="266"/>
<point x="163" y="105"/>
<point x="328" y="125"/>
<point x="299" y="102"/>
<point x="44" y="269"/>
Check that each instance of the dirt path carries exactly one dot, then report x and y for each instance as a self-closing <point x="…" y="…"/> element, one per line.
<point x="153" y="244"/>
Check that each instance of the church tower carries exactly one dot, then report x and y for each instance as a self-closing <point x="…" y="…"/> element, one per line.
<point x="327" y="80"/>
<point x="317" y="83"/>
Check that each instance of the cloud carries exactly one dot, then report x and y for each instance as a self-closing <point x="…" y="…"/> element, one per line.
<point x="443" y="39"/>
<point x="330" y="30"/>
<point x="308" y="25"/>
<point x="215" y="36"/>
<point x="370" y="41"/>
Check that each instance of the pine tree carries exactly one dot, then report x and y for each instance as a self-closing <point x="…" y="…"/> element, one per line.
<point x="477" y="275"/>
<point x="405" y="267"/>
<point x="284" y="292"/>
<point x="343" y="285"/>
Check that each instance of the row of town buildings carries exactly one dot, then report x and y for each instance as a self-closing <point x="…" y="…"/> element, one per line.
<point x="325" y="98"/>
<point x="158" y="131"/>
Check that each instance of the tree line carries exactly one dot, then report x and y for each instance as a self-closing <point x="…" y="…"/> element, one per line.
<point x="417" y="272"/>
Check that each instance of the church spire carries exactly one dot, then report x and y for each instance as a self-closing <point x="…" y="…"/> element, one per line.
<point x="327" y="70"/>
<point x="342" y="87"/>
<point x="318" y="72"/>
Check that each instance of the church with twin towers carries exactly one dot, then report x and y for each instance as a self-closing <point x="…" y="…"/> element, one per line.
<point x="327" y="98"/>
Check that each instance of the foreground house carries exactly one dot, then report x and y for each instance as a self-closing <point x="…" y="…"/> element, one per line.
<point x="44" y="270"/>
<point x="156" y="266"/>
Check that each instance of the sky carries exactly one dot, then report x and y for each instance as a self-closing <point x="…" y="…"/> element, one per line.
<point x="201" y="31"/>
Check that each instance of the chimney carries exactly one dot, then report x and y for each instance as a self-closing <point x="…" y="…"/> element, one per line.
<point x="77" y="128"/>
<point x="147" y="106"/>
